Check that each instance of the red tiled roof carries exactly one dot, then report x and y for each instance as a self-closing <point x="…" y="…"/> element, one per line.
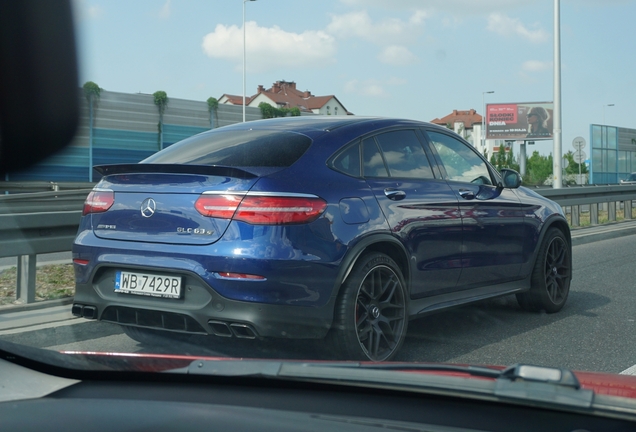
<point x="469" y="118"/>
<point x="285" y="94"/>
<point x="237" y="99"/>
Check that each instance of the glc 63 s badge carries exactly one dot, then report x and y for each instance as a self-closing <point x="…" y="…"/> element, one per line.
<point x="196" y="231"/>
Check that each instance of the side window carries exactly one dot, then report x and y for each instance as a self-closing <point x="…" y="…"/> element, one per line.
<point x="348" y="162"/>
<point x="460" y="161"/>
<point x="373" y="161"/>
<point x="404" y="155"/>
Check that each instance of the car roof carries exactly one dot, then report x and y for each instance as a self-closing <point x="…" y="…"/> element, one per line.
<point x="320" y="122"/>
<point x="317" y="125"/>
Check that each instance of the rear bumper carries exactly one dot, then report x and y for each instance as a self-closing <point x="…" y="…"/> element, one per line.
<point x="200" y="310"/>
<point x="237" y="319"/>
<point x="295" y="299"/>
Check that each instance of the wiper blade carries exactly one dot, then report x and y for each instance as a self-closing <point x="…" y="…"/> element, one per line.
<point x="518" y="382"/>
<point x="414" y="367"/>
<point x="275" y="368"/>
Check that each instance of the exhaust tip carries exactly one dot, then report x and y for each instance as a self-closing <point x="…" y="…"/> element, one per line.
<point x="220" y="328"/>
<point x="84" y="311"/>
<point x="243" y="331"/>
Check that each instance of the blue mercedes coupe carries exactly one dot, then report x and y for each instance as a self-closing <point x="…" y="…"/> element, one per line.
<point x="320" y="227"/>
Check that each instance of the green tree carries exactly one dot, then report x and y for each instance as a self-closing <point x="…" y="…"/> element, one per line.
<point x="538" y="169"/>
<point x="161" y="101"/>
<point x="268" y="111"/>
<point x="573" y="167"/>
<point x="504" y="159"/>
<point x="92" y="93"/>
<point x="511" y="162"/>
<point x="213" y="109"/>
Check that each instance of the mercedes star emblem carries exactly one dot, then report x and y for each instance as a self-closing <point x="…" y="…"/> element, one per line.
<point x="148" y="207"/>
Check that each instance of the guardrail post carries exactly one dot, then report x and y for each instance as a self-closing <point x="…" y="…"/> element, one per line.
<point x="25" y="287"/>
<point x="611" y="211"/>
<point x="627" y="209"/>
<point x="575" y="212"/>
<point x="594" y="214"/>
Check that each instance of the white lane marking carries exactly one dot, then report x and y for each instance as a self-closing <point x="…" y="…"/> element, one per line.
<point x="629" y="371"/>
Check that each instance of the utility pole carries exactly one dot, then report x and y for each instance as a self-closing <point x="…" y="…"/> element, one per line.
<point x="557" y="179"/>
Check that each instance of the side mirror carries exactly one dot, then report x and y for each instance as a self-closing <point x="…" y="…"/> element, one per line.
<point x="511" y="178"/>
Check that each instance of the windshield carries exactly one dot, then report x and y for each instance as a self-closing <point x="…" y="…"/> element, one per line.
<point x="383" y="230"/>
<point x="255" y="148"/>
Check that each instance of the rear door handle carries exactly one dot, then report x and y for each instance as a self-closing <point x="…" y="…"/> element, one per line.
<point x="467" y="194"/>
<point x="394" y="194"/>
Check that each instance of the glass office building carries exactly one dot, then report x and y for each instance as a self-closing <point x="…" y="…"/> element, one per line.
<point x="613" y="153"/>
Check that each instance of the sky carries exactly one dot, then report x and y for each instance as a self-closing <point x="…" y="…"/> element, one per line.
<point x="416" y="59"/>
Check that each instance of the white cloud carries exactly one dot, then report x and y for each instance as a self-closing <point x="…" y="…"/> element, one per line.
<point x="270" y="48"/>
<point x="504" y="25"/>
<point x="536" y="66"/>
<point x="397" y="55"/>
<point x="165" y="12"/>
<point x="419" y="16"/>
<point x="359" y="24"/>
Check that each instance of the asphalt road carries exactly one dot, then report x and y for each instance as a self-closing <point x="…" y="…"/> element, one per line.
<point x="595" y="330"/>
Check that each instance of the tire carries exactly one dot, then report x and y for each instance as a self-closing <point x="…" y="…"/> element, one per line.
<point x="148" y="336"/>
<point x="551" y="276"/>
<point x="371" y="317"/>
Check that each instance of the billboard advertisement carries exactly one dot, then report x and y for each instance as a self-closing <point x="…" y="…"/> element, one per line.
<point x="519" y="121"/>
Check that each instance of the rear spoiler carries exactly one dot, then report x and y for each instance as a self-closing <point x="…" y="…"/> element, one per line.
<point x="216" y="170"/>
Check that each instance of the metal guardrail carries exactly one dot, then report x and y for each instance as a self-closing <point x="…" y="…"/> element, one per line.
<point x="7" y="187"/>
<point x="576" y="199"/>
<point x="37" y="223"/>
<point x="44" y="222"/>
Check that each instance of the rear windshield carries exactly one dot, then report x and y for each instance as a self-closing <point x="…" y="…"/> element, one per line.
<point x="236" y="149"/>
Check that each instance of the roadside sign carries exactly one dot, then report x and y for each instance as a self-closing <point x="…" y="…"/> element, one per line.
<point x="564" y="163"/>
<point x="579" y="156"/>
<point x="578" y="143"/>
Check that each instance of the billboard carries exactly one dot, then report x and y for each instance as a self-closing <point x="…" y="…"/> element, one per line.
<point x="519" y="121"/>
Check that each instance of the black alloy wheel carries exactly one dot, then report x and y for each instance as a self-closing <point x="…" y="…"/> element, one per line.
<point x="551" y="275"/>
<point x="371" y="316"/>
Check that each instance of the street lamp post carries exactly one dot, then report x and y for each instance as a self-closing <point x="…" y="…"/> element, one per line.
<point x="607" y="105"/>
<point x="557" y="135"/>
<point x="483" y="119"/>
<point x="244" y="1"/>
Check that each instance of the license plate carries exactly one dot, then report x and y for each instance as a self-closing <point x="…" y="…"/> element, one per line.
<point x="148" y="284"/>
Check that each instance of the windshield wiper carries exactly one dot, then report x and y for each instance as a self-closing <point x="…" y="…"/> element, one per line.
<point x="518" y="382"/>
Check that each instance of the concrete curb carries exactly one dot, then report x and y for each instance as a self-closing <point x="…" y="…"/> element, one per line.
<point x="35" y="306"/>
<point x="607" y="231"/>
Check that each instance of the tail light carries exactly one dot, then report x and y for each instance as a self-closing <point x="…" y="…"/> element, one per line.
<point x="218" y="206"/>
<point x="98" y="201"/>
<point x="262" y="210"/>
